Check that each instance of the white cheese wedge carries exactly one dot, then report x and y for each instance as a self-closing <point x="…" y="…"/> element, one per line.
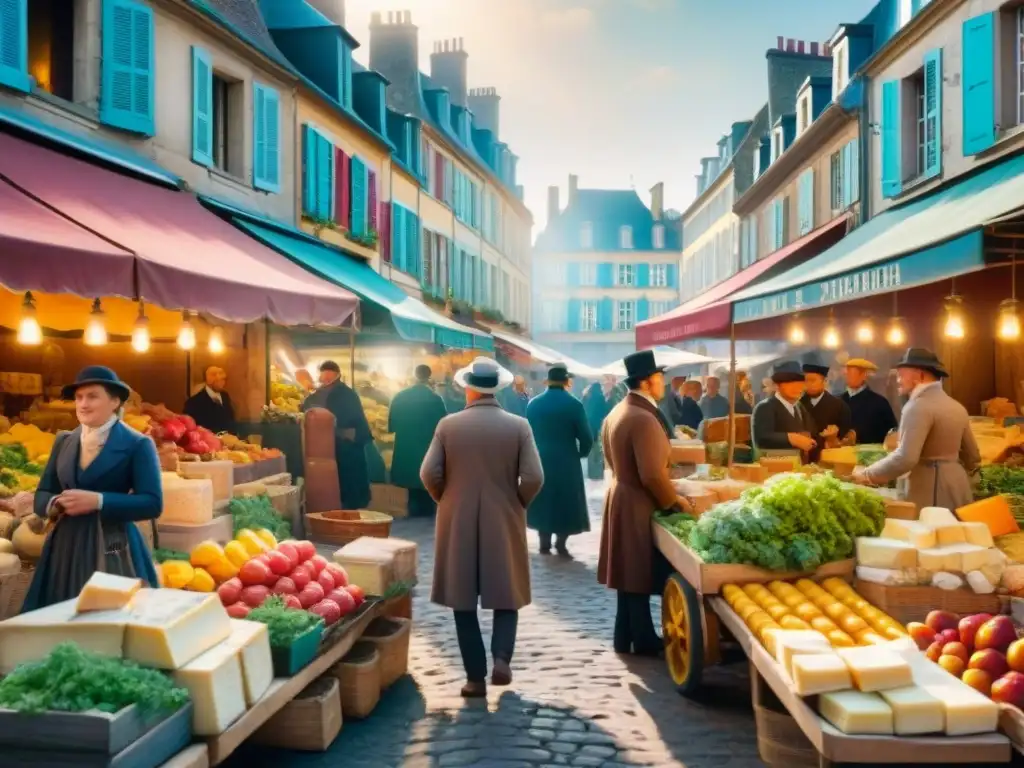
<point x="854" y="712"/>
<point x="934" y="517"/>
<point x="876" y="668"/>
<point x="940" y="559"/>
<point x="946" y="535"/>
<point x="915" y="711"/>
<point x="107" y="592"/>
<point x="214" y="682"/>
<point x="31" y="636"/>
<point x="885" y="553"/>
<point x="978" y="534"/>
<point x="792" y="642"/>
<point x="914" y="533"/>
<point x="815" y="673"/>
<point x="967" y="711"/>
<point x="251" y="641"/>
<point x="167" y="628"/>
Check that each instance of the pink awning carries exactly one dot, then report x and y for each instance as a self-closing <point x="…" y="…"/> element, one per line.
<point x="187" y="257"/>
<point x="41" y="251"/>
<point x="710" y="314"/>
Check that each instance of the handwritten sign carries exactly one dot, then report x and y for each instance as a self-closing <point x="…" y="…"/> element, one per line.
<point x="29" y="384"/>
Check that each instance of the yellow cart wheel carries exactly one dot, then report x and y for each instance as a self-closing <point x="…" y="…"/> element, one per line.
<point x="683" y="630"/>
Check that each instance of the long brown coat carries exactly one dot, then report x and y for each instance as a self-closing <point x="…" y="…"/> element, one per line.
<point x="483" y="470"/>
<point x="637" y="451"/>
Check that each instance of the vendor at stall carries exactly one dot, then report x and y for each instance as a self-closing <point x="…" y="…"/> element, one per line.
<point x="871" y="412"/>
<point x="516" y="398"/>
<point x="936" y="447"/>
<point x="830" y="414"/>
<point x="781" y="423"/>
<point x="100" y="480"/>
<point x="211" y="406"/>
<point x="413" y="419"/>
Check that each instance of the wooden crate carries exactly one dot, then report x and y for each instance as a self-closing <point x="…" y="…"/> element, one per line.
<point x="308" y="723"/>
<point x="183" y="538"/>
<point x="390" y="499"/>
<point x="906" y="604"/>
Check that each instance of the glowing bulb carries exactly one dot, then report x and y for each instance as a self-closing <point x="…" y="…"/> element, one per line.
<point x="1009" y="321"/>
<point x="187" y="335"/>
<point x="954" y="326"/>
<point x="830" y="339"/>
<point x="895" y="336"/>
<point x="216" y="341"/>
<point x="29" y="332"/>
<point x="796" y="334"/>
<point x="866" y="333"/>
<point x="140" y="332"/>
<point x="96" y="329"/>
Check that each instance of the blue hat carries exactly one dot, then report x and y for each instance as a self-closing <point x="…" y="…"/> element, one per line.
<point x="97" y="374"/>
<point x="814" y="365"/>
<point x="787" y="371"/>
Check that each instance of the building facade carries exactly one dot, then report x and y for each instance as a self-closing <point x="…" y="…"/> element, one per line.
<point x="605" y="262"/>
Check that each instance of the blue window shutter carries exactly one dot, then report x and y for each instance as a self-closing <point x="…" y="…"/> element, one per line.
<point x="202" y="107"/>
<point x="854" y="153"/>
<point x="672" y="275"/>
<point x="643" y="309"/>
<point x="845" y="165"/>
<point x="979" y="95"/>
<point x="414" y="253"/>
<point x="805" y="204"/>
<point x="933" y="113"/>
<point x="605" y="277"/>
<point x="892" y="173"/>
<point x="347" y="78"/>
<point x="324" y="178"/>
<point x="572" y="274"/>
<point x="358" y="181"/>
<point x="574" y="309"/>
<point x="127" y="84"/>
<point x="643" y="275"/>
<point x="309" y="170"/>
<point x="398" y="239"/>
<point x="266" y="139"/>
<point x="604" y="315"/>
<point x="14" y="45"/>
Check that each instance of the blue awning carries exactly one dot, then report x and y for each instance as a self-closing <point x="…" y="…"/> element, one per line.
<point x="935" y="238"/>
<point x="413" y="320"/>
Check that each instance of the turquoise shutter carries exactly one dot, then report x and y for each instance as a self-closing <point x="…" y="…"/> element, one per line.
<point x="892" y="175"/>
<point x="933" y="113"/>
<point x="604" y="315"/>
<point x="346" y="75"/>
<point x="805" y="203"/>
<point x="574" y="309"/>
<point x="202" y="107"/>
<point x="846" y="171"/>
<point x="572" y="274"/>
<point x="266" y="139"/>
<point x="358" y="181"/>
<point x="398" y="240"/>
<point x="672" y="275"/>
<point x="643" y="310"/>
<point x="643" y="275"/>
<point x="324" y="178"/>
<point x="14" y="45"/>
<point x="126" y="86"/>
<point x="309" y="169"/>
<point x="853" y="150"/>
<point x="414" y="253"/>
<point x="605" y="276"/>
<point x="979" y="95"/>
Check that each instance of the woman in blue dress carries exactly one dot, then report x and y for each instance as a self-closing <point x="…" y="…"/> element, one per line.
<point x="101" y="479"/>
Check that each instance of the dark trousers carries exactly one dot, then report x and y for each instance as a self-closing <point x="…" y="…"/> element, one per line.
<point x="634" y="627"/>
<point x="471" y="641"/>
<point x="545" y="541"/>
<point x="420" y="503"/>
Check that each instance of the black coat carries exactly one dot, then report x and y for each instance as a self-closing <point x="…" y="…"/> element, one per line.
<point x="772" y="422"/>
<point x="829" y="410"/>
<point x="208" y="413"/>
<point x="691" y="415"/>
<point x="871" y="415"/>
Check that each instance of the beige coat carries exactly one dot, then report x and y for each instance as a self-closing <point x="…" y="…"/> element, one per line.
<point x="637" y="451"/>
<point x="483" y="470"/>
<point x="937" y="449"/>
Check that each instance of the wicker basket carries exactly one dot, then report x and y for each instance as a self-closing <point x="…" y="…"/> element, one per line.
<point x="780" y="741"/>
<point x="399" y="607"/>
<point x="308" y="723"/>
<point x="359" y="680"/>
<point x="906" y="604"/>
<point x="391" y="638"/>
<point x="341" y="527"/>
<point x="13" y="590"/>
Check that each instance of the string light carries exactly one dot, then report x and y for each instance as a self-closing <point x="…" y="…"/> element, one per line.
<point x="895" y="336"/>
<point x="140" y="331"/>
<point x="216" y="342"/>
<point x="96" y="329"/>
<point x="1009" y="321"/>
<point x="186" y="334"/>
<point x="954" y="328"/>
<point x="29" y="332"/>
<point x="866" y="332"/>
<point x="797" y="336"/>
<point x="830" y="339"/>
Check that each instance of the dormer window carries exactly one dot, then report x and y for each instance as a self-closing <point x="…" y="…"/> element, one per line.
<point x="777" y="143"/>
<point x="587" y="235"/>
<point x="658" y="236"/>
<point x="803" y="111"/>
<point x="625" y="237"/>
<point x="840" y="67"/>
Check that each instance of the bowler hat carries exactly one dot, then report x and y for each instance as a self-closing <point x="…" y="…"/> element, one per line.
<point x="97" y="374"/>
<point x="558" y="373"/>
<point x="922" y="359"/>
<point x="814" y="365"/>
<point x="641" y="365"/>
<point x="787" y="371"/>
<point x="483" y="375"/>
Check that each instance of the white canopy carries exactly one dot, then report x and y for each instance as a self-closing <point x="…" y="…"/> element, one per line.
<point x="547" y="355"/>
<point x="670" y="357"/>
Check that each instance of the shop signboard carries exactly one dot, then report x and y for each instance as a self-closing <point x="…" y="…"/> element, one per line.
<point x="27" y="384"/>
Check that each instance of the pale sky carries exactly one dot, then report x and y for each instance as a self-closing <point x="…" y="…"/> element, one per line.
<point x="620" y="92"/>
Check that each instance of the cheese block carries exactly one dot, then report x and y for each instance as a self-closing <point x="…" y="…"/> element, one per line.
<point x="940" y="559"/>
<point x="978" y="534"/>
<point x="749" y="473"/>
<point x="168" y="628"/>
<point x="969" y="557"/>
<point x="31" y="636"/>
<point x="215" y="684"/>
<point x="793" y="642"/>
<point x="187" y="501"/>
<point x="885" y="553"/>
<point x="368" y="566"/>
<point x="936" y="516"/>
<point x="916" y="534"/>
<point x="875" y="668"/>
<point x="915" y="711"/>
<point x="967" y="711"/>
<point x="897" y="509"/>
<point x="107" y="592"/>
<point x="947" y="535"/>
<point x="815" y="673"/>
<point x="220" y="473"/>
<point x="854" y="712"/>
<point x="252" y="642"/>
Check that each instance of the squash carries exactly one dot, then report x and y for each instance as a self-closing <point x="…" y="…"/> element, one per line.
<point x="177" y="573"/>
<point x="253" y="544"/>
<point x="7" y="521"/>
<point x="266" y="537"/>
<point x="27" y="542"/>
<point x="10" y="564"/>
<point x="6" y="547"/>
<point x="236" y="553"/>
<point x="206" y="553"/>
<point x="994" y="512"/>
<point x="201" y="582"/>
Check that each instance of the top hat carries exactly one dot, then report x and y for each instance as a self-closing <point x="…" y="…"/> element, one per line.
<point x="97" y="374"/>
<point x="641" y="365"/>
<point x="922" y="359"/>
<point x="483" y="375"/>
<point x="787" y="371"/>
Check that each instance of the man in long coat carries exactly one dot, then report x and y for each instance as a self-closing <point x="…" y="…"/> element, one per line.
<point x="595" y="403"/>
<point x="936" y="445"/>
<point x="781" y="422"/>
<point x="413" y="418"/>
<point x="563" y="437"/>
<point x="831" y="416"/>
<point x="483" y="471"/>
<point x="637" y="448"/>
<point x="351" y="434"/>
<point x="872" y="415"/>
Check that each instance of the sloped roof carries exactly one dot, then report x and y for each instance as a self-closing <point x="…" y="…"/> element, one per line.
<point x="607" y="210"/>
<point x="244" y="19"/>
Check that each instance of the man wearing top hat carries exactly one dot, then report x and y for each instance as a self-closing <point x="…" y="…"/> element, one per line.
<point x="936" y="447"/>
<point x="563" y="437"/>
<point x="831" y="415"/>
<point x="780" y="422"/>
<point x="636" y="446"/>
<point x="871" y="413"/>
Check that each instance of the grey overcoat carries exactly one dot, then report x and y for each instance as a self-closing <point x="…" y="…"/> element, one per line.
<point x="937" y="449"/>
<point x="483" y="470"/>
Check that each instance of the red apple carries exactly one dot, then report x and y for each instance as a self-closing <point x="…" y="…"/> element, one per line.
<point x="326" y="580"/>
<point x="1015" y="655"/>
<point x="979" y="680"/>
<point x="291" y="552"/>
<point x="340" y="574"/>
<point x="952" y="664"/>
<point x="997" y="632"/>
<point x="940" y="620"/>
<point x="1009" y="689"/>
<point x="292" y="601"/>
<point x="921" y="634"/>
<point x="285" y="586"/>
<point x="279" y="562"/>
<point x="934" y="651"/>
<point x="328" y="610"/>
<point x="318" y="562"/>
<point x="312" y="594"/>
<point x="957" y="649"/>
<point x="255" y="595"/>
<point x="253" y="572"/>
<point x="949" y="636"/>
<point x="344" y="599"/>
<point x="230" y="591"/>
<point x="969" y="626"/>
<point x="301" y="577"/>
<point x="990" y="660"/>
<point x="306" y="549"/>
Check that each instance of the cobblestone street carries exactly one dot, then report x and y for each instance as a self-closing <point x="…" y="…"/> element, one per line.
<point x="573" y="701"/>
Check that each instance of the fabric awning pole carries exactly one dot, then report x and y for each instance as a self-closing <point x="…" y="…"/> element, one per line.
<point x="732" y="391"/>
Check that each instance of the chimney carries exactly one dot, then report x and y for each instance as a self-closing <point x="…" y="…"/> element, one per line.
<point x="485" y="105"/>
<point x="553" y="207"/>
<point x="334" y="10"/>
<point x="781" y="42"/>
<point x="448" y="69"/>
<point x="574" y="183"/>
<point x="658" y="201"/>
<point x="814" y="49"/>
<point x="790" y="45"/>
<point x="394" y="52"/>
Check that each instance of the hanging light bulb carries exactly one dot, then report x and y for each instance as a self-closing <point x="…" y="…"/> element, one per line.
<point x="866" y="332"/>
<point x="797" y="336"/>
<point x="954" y="328"/>
<point x="830" y="338"/>
<point x="29" y="332"/>
<point x="1009" y="321"/>
<point x="216" y="342"/>
<point x="187" y="334"/>
<point x="895" y="336"/>
<point x="140" y="331"/>
<point x="96" y="329"/>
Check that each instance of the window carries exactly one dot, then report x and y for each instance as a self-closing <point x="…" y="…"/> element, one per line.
<point x="588" y="273"/>
<point x="659" y="308"/>
<point x="625" y="237"/>
<point x="51" y="46"/>
<point x="916" y="86"/>
<point x="625" y="275"/>
<point x="587" y="235"/>
<point x="228" y="125"/>
<point x="803" y="112"/>
<point x="627" y="315"/>
<point x="658" y="236"/>
<point x="588" y="316"/>
<point x="551" y="314"/>
<point x="776" y="143"/>
<point x="840" y="67"/>
<point x="836" y="179"/>
<point x="659" y="275"/>
<point x="558" y="274"/>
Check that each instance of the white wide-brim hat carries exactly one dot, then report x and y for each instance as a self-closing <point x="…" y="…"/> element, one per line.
<point x="483" y="375"/>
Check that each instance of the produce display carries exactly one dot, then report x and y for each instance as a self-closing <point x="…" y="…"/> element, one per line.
<point x="24" y="451"/>
<point x="258" y="512"/>
<point x="286" y="397"/>
<point x="195" y="443"/>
